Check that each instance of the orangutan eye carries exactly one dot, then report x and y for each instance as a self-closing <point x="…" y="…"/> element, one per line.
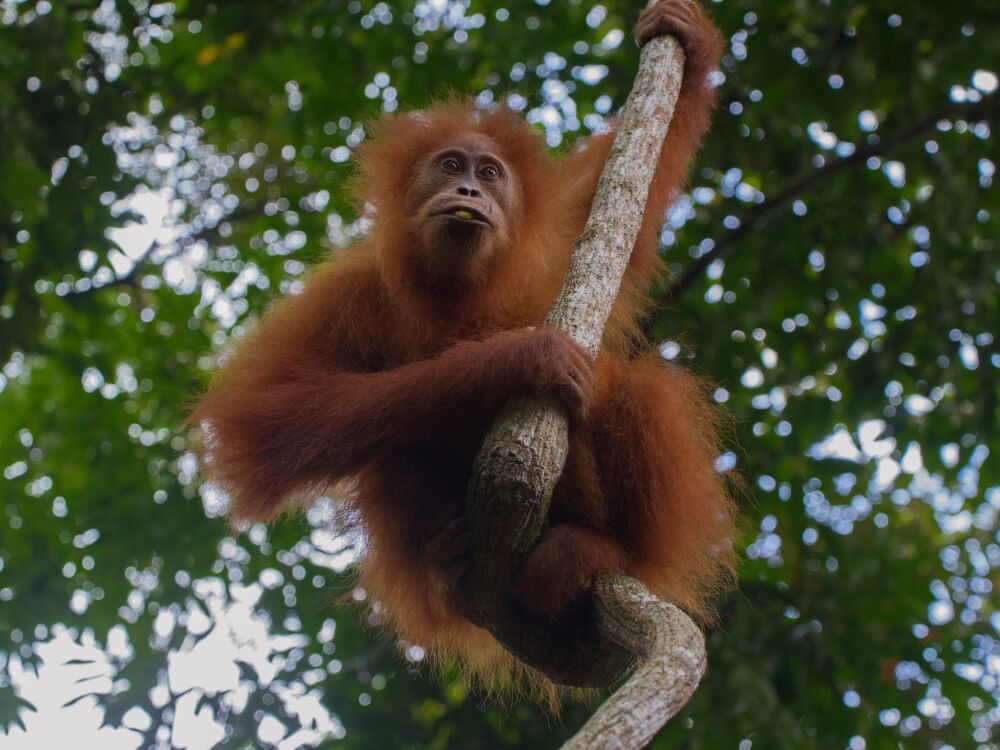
<point x="451" y="165"/>
<point x="489" y="172"/>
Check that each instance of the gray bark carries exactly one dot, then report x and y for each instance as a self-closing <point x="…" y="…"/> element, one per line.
<point x="672" y="656"/>
<point x="522" y="458"/>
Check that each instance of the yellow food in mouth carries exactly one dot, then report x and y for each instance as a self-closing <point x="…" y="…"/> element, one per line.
<point x="463" y="215"/>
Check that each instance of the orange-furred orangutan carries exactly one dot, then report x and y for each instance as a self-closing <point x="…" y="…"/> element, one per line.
<point x="385" y="372"/>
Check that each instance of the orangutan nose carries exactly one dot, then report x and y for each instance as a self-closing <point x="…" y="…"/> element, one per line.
<point x="468" y="189"/>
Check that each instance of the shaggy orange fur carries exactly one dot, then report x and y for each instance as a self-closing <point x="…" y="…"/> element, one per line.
<point x="381" y="379"/>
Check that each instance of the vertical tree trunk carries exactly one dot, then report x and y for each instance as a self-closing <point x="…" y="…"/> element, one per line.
<point x="524" y="454"/>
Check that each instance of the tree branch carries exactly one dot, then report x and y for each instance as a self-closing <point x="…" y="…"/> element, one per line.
<point x="523" y="456"/>
<point x="986" y="108"/>
<point x="673" y="652"/>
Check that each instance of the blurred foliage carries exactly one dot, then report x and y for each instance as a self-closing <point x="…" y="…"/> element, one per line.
<point x="167" y="168"/>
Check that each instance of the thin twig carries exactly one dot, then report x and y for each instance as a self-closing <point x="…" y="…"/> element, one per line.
<point x="810" y="178"/>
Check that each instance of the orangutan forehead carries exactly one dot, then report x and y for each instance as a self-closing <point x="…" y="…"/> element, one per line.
<point x="475" y="143"/>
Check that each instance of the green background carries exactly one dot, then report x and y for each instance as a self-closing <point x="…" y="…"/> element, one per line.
<point x="844" y="197"/>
